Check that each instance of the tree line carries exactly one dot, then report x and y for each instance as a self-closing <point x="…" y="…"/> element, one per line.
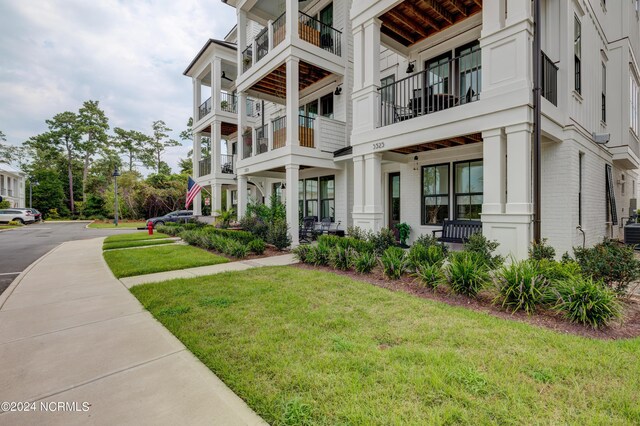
<point x="70" y="166"/>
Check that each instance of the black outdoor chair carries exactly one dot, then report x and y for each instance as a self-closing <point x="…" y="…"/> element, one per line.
<point x="307" y="232"/>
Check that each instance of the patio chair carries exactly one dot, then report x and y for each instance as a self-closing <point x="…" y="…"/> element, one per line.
<point x="307" y="232"/>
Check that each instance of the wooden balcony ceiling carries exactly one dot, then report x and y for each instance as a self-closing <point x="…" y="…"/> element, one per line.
<point x="446" y="143"/>
<point x="227" y="128"/>
<point x="414" y="20"/>
<point x="275" y="84"/>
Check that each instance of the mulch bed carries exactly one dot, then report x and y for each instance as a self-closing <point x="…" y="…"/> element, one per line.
<point x="628" y="328"/>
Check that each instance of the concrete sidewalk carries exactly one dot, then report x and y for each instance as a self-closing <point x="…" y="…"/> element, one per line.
<point x="241" y="265"/>
<point x="72" y="333"/>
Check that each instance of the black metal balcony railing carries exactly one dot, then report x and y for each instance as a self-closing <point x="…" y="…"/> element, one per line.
<point x="228" y="102"/>
<point x="262" y="139"/>
<point x="247" y="58"/>
<point x="204" y="109"/>
<point x="226" y="164"/>
<point x="549" y="80"/>
<point x="204" y="166"/>
<point x="279" y="126"/>
<point x="444" y="84"/>
<point x="279" y="30"/>
<point x="319" y="34"/>
<point x="306" y="125"/>
<point x="262" y="44"/>
<point x="247" y="145"/>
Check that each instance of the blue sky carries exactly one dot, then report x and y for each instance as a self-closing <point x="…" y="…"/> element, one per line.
<point x="129" y="55"/>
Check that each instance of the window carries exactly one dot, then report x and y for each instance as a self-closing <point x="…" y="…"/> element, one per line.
<point x="438" y="74"/>
<point x="470" y="71"/>
<point x="388" y="94"/>
<point x="310" y="109"/>
<point x="580" y="174"/>
<point x="577" y="53"/>
<point x="435" y="194"/>
<point x="468" y="189"/>
<point x="234" y="197"/>
<point x="635" y="99"/>
<point x="604" y="93"/>
<point x="301" y="198"/>
<point x="311" y="197"/>
<point x="326" y="105"/>
<point x="327" y="197"/>
<point x="277" y="191"/>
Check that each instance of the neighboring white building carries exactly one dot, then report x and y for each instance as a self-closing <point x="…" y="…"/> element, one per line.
<point x="418" y="111"/>
<point x="12" y="185"/>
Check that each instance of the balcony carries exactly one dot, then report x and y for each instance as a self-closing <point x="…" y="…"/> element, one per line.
<point x="549" y="80"/>
<point x="226" y="165"/>
<point x="229" y="102"/>
<point x="204" y="166"/>
<point x="310" y="30"/>
<point x="204" y="109"/>
<point x="443" y="85"/>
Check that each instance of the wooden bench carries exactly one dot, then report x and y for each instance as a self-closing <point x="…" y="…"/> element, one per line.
<point x="458" y="231"/>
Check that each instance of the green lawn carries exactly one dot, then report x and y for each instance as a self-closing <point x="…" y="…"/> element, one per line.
<point x="135" y="236"/>
<point x="5" y="226"/>
<point x="139" y="243"/>
<point x="104" y="225"/>
<point x="305" y="347"/>
<point x="127" y="263"/>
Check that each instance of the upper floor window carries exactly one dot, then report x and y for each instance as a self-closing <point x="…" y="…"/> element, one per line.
<point x="326" y="105"/>
<point x="470" y="71"/>
<point x="577" y="53"/>
<point x="634" y="95"/>
<point x="387" y="92"/>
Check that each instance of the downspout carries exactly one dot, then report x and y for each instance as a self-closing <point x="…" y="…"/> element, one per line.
<point x="537" y="119"/>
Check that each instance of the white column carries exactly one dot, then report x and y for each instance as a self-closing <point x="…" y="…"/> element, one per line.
<point x="196" y="154"/>
<point x="493" y="16"/>
<point x="216" y="146"/>
<point x="358" y="184"/>
<point x="216" y="198"/>
<point x="242" y="115"/>
<point x="519" y="169"/>
<point x="216" y="83"/>
<point x="495" y="171"/>
<point x="270" y="35"/>
<point x="366" y="78"/>
<point x="372" y="53"/>
<point x="229" y="205"/>
<point x="269" y="125"/>
<point x="517" y="10"/>
<point x="291" y="20"/>
<point x="373" y="183"/>
<point x="292" y="107"/>
<point x="242" y="37"/>
<point x="194" y="82"/>
<point x="242" y="195"/>
<point x="291" y="194"/>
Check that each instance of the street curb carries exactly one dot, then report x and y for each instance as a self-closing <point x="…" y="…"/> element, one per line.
<point x="10" y="229"/>
<point x="9" y="290"/>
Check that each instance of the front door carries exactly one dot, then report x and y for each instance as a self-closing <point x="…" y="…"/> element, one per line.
<point x="394" y="201"/>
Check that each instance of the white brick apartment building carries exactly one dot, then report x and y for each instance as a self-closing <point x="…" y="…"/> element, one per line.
<point x="420" y="111"/>
<point x="12" y="185"/>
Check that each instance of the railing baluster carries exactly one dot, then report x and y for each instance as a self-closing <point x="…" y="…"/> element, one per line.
<point x="319" y="34"/>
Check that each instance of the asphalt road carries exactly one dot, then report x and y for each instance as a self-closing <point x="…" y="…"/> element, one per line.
<point x="19" y="248"/>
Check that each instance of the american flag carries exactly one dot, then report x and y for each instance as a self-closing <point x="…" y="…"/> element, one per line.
<point x="193" y="189"/>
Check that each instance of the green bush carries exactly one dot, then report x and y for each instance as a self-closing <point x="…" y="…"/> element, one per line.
<point x="430" y="240"/>
<point x="357" y="233"/>
<point x="586" y="301"/>
<point x="430" y="274"/>
<point x="318" y="255"/>
<point x="236" y="249"/>
<point x="382" y="240"/>
<point x="364" y="262"/>
<point x="255" y="226"/>
<point x="341" y="258"/>
<point x="329" y="240"/>
<point x="555" y="272"/>
<point x="419" y="254"/>
<point x="467" y="273"/>
<point x="301" y="253"/>
<point x="243" y="237"/>
<point x="257" y="246"/>
<point x="484" y="248"/>
<point x="15" y="223"/>
<point x="403" y="232"/>
<point x="278" y="234"/>
<point x="4" y="204"/>
<point x="393" y="262"/>
<point x="521" y="286"/>
<point x="540" y="251"/>
<point x="609" y="262"/>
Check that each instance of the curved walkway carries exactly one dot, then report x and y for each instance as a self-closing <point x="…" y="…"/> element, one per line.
<point x="72" y="333"/>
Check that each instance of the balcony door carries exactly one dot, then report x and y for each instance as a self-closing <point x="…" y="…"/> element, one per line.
<point x="438" y="84"/>
<point x="394" y="201"/>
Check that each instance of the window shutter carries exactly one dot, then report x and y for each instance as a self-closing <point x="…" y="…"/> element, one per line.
<point x="611" y="197"/>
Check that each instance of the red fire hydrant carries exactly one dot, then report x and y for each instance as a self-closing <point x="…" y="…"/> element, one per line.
<point x="150" y="227"/>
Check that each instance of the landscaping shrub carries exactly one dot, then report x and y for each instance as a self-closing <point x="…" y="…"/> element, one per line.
<point x="403" y="232"/>
<point x="430" y="240"/>
<point x="555" y="272"/>
<point x="341" y="257"/>
<point x="318" y="255"/>
<point x="609" y="262"/>
<point x="540" y="251"/>
<point x="328" y="240"/>
<point x="467" y="273"/>
<point x="255" y="226"/>
<point x="521" y="286"/>
<point x="382" y="240"/>
<point x="15" y="223"/>
<point x="257" y="246"/>
<point x="301" y="253"/>
<point x="5" y="204"/>
<point x="278" y="234"/>
<point x="243" y="237"/>
<point x="236" y="249"/>
<point x="586" y="301"/>
<point x="419" y="254"/>
<point x="430" y="274"/>
<point x="364" y="262"/>
<point x="484" y="248"/>
<point x="357" y="233"/>
<point x="393" y="262"/>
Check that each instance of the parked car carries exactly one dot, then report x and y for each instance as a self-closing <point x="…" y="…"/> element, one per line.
<point x="177" y="216"/>
<point x="36" y="214"/>
<point x="18" y="215"/>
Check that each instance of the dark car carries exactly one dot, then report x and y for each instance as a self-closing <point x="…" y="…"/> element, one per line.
<point x="177" y="216"/>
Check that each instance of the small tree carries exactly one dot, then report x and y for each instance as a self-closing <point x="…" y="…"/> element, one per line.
<point x="157" y="146"/>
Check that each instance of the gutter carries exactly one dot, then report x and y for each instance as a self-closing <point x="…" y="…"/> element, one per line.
<point x="537" y="121"/>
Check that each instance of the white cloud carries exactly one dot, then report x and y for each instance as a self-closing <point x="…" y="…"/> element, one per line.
<point x="128" y="55"/>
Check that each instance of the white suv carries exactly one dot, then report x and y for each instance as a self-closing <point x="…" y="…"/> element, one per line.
<point x="22" y="216"/>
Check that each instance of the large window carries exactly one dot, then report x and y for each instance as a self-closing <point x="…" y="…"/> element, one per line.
<point x="326" y="105"/>
<point x="277" y="191"/>
<point x="470" y="70"/>
<point x="435" y="194"/>
<point x="327" y="197"/>
<point x="634" y="93"/>
<point x="468" y="177"/>
<point x="311" y="197"/>
<point x="577" y="54"/>
<point x="388" y="93"/>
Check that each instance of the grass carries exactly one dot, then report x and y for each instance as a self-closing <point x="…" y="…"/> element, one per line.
<point x="5" y="226"/>
<point x="135" y="236"/>
<point x="130" y="244"/>
<point x="127" y="263"/>
<point x="106" y="225"/>
<point x="308" y="347"/>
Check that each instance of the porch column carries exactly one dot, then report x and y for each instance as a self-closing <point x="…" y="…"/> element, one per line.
<point x="366" y="79"/>
<point x="216" y="146"/>
<point x="242" y="37"/>
<point x="292" y="108"/>
<point x="216" y="83"/>
<point x="229" y="204"/>
<point x="291" y="191"/>
<point x="196" y="205"/>
<point x="519" y="199"/>
<point x="494" y="152"/>
<point x="358" y="184"/>
<point x="291" y="21"/>
<point x="216" y="201"/>
<point x="517" y="10"/>
<point x="371" y="189"/>
<point x="242" y="195"/>
<point x="196" y="154"/>
<point x="242" y="122"/>
<point x="196" y="99"/>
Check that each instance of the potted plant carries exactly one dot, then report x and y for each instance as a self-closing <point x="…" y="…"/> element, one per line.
<point x="403" y="233"/>
<point x="224" y="105"/>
